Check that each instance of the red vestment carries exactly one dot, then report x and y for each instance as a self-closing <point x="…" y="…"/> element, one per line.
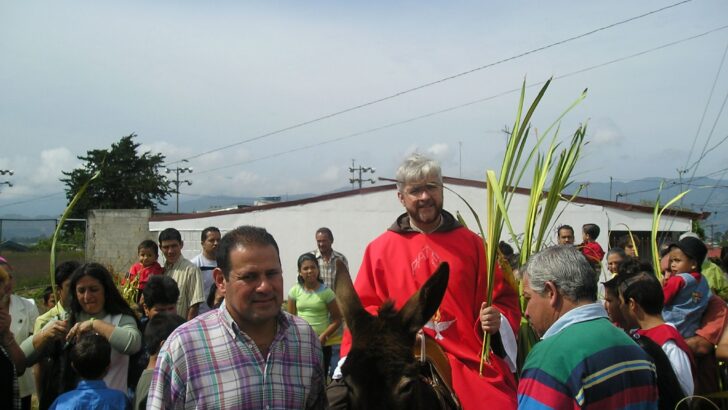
<point x="399" y="261"/>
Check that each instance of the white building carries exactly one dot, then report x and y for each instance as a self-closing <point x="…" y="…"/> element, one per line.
<point x="358" y="216"/>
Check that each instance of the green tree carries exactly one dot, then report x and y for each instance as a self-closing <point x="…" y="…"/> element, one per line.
<point x="128" y="180"/>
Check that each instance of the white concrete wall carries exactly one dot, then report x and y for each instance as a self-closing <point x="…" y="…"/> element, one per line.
<point x="356" y="220"/>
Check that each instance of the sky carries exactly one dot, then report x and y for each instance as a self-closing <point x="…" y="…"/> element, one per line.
<point x="242" y="82"/>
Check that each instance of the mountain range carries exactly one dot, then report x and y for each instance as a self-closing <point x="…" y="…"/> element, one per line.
<point x="704" y="194"/>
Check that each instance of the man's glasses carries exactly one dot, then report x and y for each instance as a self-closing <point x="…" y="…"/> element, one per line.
<point x="416" y="191"/>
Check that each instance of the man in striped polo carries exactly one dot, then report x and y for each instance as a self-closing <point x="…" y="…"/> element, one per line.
<point x="582" y="361"/>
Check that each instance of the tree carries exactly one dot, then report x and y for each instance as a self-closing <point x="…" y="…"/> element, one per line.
<point x="128" y="180"/>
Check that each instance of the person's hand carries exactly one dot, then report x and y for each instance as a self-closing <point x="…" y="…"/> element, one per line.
<point x="55" y="331"/>
<point x="80" y="328"/>
<point x="490" y="318"/>
<point x="323" y="339"/>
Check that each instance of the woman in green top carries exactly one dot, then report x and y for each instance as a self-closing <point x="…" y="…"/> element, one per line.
<point x="315" y="303"/>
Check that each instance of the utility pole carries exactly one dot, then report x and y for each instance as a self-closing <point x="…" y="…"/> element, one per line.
<point x="712" y="233"/>
<point x="354" y="169"/>
<point x="460" y="143"/>
<point x="610" y="187"/>
<point x="176" y="181"/>
<point x="680" y="173"/>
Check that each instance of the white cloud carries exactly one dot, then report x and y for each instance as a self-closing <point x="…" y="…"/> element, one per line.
<point x="438" y="150"/>
<point x="330" y="174"/>
<point x="52" y="162"/>
<point x="606" y="132"/>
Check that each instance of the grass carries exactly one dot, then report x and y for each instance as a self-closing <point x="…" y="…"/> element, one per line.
<point x="30" y="270"/>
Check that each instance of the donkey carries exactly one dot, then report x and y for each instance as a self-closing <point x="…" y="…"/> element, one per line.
<point x="381" y="371"/>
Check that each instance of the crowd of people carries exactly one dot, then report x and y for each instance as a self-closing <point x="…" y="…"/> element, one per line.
<point x="215" y="331"/>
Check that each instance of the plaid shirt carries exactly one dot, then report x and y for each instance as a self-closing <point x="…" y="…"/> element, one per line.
<point x="328" y="269"/>
<point x="208" y="363"/>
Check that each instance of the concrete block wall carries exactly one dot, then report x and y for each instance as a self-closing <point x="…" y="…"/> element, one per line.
<point x="112" y="236"/>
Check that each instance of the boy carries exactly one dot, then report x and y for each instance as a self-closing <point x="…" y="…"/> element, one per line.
<point x="158" y="330"/>
<point x="147" y="266"/>
<point x="589" y="246"/>
<point x="685" y="290"/>
<point x="159" y="296"/>
<point x="641" y="300"/>
<point x="90" y="358"/>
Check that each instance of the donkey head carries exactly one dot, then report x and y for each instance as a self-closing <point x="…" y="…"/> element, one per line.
<point x="380" y="369"/>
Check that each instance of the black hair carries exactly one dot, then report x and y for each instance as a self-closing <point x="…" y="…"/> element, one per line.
<point x="47" y="292"/>
<point x="625" y="241"/>
<point x="114" y="303"/>
<point x="326" y="231"/>
<point x="592" y="230"/>
<point x="505" y="248"/>
<point x="203" y="236"/>
<point x="148" y="244"/>
<point x="632" y="267"/>
<point x="618" y="251"/>
<point x="211" y="293"/>
<point x="64" y="271"/>
<point x="90" y="356"/>
<point x="242" y="236"/>
<point x="564" y="227"/>
<point x="159" y="328"/>
<point x="307" y="257"/>
<point x="170" y="234"/>
<point x="160" y="290"/>
<point x="646" y="291"/>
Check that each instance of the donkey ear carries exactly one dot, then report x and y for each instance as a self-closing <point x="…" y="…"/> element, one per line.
<point x="346" y="296"/>
<point x="423" y="304"/>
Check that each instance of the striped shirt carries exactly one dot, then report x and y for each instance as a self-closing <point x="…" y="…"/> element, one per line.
<point x="328" y="269"/>
<point x="584" y="361"/>
<point x="208" y="363"/>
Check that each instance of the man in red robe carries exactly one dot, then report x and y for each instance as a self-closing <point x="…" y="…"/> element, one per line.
<point x="399" y="261"/>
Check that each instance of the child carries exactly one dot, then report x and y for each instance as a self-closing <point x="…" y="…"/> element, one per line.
<point x="147" y="265"/>
<point x="49" y="299"/>
<point x="641" y="304"/>
<point x="685" y="289"/>
<point x="90" y="358"/>
<point x="158" y="330"/>
<point x="590" y="248"/>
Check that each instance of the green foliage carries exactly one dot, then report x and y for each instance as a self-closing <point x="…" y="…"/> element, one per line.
<point x="129" y="180"/>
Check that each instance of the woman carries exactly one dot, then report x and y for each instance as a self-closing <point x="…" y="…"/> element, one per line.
<point x="615" y="257"/>
<point x="12" y="360"/>
<point x="96" y="306"/>
<point x="23" y="313"/>
<point x="315" y="303"/>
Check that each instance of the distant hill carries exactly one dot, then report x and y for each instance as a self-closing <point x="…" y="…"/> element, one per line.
<point x="706" y="195"/>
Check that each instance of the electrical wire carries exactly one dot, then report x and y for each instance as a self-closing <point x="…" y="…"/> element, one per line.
<point x="710" y="136"/>
<point x="466" y="104"/>
<point x="442" y="80"/>
<point x="705" y="110"/>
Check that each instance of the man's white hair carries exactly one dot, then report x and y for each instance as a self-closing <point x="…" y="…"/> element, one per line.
<point x="417" y="167"/>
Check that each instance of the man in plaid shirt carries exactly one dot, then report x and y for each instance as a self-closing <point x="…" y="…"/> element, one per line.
<point x="327" y="256"/>
<point x="249" y="354"/>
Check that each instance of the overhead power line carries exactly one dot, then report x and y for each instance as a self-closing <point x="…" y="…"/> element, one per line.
<point x="442" y="80"/>
<point x="35" y="198"/>
<point x="463" y="105"/>
<point x="705" y="110"/>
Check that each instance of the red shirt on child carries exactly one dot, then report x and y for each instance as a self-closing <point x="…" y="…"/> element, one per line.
<point x="144" y="272"/>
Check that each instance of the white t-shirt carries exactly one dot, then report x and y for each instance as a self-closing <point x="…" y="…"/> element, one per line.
<point x="206" y="266"/>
